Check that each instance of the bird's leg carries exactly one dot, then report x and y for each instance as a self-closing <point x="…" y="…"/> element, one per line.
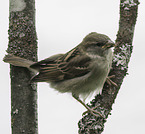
<point x="92" y="111"/>
<point x="110" y="82"/>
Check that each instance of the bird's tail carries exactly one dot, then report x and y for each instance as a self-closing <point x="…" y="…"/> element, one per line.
<point x="17" y="61"/>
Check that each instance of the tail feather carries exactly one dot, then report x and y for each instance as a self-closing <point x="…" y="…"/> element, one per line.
<point x="17" y="61"/>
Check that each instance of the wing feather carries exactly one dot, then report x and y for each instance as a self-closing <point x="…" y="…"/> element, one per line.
<point x="58" y="68"/>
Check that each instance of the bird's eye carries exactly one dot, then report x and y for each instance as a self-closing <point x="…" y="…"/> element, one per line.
<point x="100" y="44"/>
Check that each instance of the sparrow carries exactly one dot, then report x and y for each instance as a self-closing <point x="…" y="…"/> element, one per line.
<point x="82" y="71"/>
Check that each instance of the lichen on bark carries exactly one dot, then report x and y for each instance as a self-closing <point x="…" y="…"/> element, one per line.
<point x="122" y="53"/>
<point x="23" y="43"/>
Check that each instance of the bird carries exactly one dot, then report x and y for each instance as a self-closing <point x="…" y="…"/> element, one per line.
<point x="81" y="71"/>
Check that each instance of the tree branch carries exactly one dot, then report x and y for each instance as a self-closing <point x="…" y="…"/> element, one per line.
<point x="23" y="43"/>
<point x="122" y="53"/>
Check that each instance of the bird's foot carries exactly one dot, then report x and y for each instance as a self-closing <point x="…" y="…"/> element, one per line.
<point x="93" y="111"/>
<point x="110" y="82"/>
<point x="89" y="110"/>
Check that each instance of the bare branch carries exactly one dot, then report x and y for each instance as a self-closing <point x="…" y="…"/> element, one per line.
<point x="122" y="53"/>
<point x="22" y="42"/>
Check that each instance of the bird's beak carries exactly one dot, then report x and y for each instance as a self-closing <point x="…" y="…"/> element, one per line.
<point x="109" y="44"/>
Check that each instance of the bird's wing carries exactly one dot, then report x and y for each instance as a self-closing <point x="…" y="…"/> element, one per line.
<point x="45" y="62"/>
<point x="58" y="68"/>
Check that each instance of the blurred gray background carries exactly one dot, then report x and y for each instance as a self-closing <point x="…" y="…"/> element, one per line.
<point x="61" y="25"/>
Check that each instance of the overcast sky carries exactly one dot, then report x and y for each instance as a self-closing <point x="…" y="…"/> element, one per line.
<point x="61" y="25"/>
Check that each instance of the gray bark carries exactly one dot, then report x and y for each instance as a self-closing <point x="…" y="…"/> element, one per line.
<point x="122" y="53"/>
<point x="23" y="43"/>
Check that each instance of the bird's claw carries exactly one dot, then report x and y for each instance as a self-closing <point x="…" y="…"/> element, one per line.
<point x="110" y="82"/>
<point x="93" y="112"/>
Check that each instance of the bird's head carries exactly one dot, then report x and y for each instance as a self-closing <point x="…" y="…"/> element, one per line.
<point x="96" y="43"/>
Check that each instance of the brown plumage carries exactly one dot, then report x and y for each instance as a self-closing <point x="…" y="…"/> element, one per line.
<point x="82" y="71"/>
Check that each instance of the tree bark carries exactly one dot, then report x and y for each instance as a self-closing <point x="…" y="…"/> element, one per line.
<point x="23" y="43"/>
<point x="122" y="53"/>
